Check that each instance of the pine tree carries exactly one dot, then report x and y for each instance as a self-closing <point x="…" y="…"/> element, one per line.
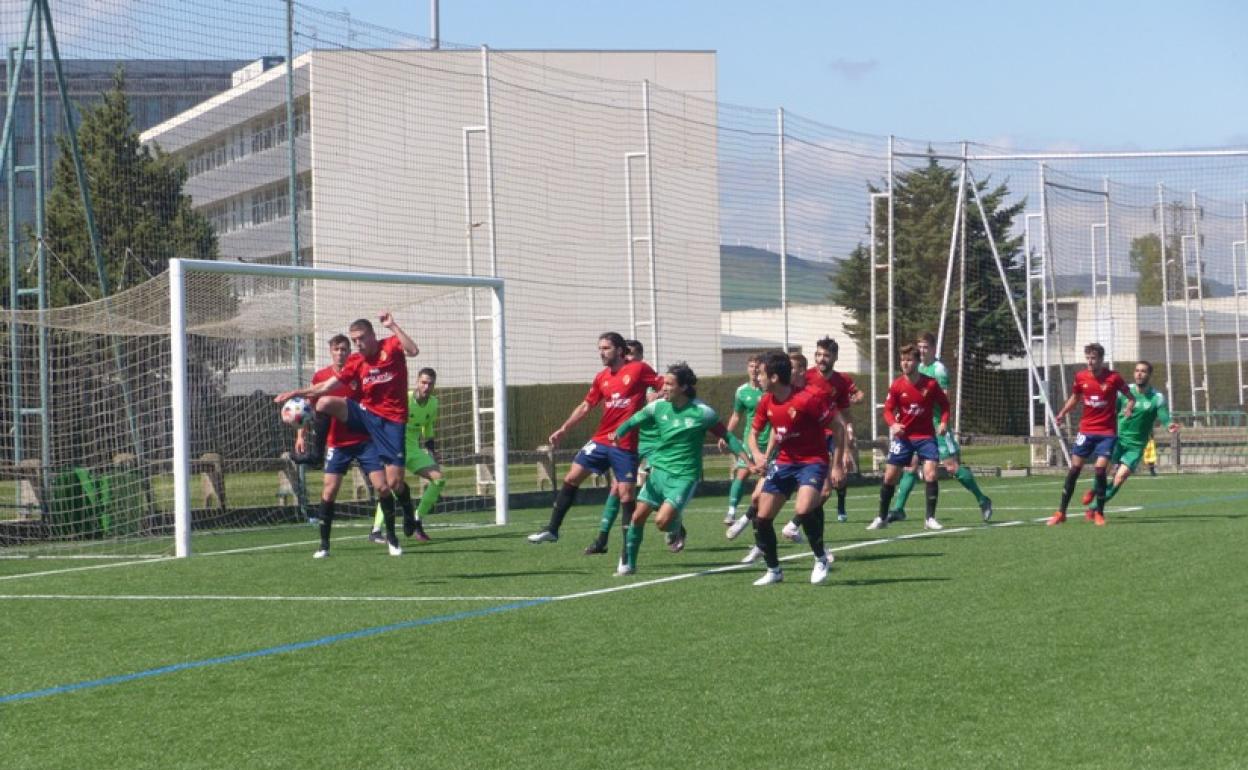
<point x="142" y="216"/>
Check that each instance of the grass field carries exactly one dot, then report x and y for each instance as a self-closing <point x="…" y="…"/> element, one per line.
<point x="1010" y="645"/>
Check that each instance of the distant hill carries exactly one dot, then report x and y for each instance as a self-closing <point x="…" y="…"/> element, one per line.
<point x="1081" y="285"/>
<point x="749" y="278"/>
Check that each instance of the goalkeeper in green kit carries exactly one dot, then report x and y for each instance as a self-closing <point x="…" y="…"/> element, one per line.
<point x="1134" y="432"/>
<point x="681" y="422"/>
<point x="948" y="445"/>
<point x="422" y="417"/>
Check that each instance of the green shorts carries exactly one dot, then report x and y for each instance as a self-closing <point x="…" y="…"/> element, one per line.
<point x="948" y="446"/>
<point x="418" y="459"/>
<point x="1129" y="455"/>
<point x="661" y="487"/>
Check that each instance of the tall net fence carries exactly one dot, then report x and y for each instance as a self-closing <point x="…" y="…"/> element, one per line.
<point x="611" y="191"/>
<point x="1082" y="242"/>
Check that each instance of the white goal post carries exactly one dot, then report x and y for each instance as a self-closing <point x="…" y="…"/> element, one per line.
<point x="182" y="269"/>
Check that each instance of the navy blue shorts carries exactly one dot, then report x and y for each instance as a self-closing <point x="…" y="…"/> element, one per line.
<point x="597" y="458"/>
<point x="338" y="458"/>
<point x="1089" y="444"/>
<point x="387" y="438"/>
<point x="901" y="449"/>
<point x="785" y="478"/>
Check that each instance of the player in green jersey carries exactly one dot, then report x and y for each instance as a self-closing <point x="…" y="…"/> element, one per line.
<point x="743" y="405"/>
<point x="421" y="458"/>
<point x="682" y="422"/>
<point x="949" y="448"/>
<point x="633" y="351"/>
<point x="1134" y="432"/>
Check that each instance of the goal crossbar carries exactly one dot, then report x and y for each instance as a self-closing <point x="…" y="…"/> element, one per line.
<point x="180" y="268"/>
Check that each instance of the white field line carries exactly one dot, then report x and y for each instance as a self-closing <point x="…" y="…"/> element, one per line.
<point x="230" y="598"/>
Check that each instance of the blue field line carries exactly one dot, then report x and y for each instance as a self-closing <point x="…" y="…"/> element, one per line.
<point x="321" y="642"/>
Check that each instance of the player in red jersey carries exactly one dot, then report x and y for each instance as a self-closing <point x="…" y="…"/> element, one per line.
<point x="381" y="411"/>
<point x="621" y="389"/>
<point x="798" y="419"/>
<point x="1098" y="386"/>
<point x="339" y="443"/>
<point x="908" y="412"/>
<point x="844" y="393"/>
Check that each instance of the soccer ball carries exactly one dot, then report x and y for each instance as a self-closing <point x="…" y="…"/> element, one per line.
<point x="296" y="412"/>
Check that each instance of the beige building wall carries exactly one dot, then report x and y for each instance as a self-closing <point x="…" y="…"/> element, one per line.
<point x="391" y="191"/>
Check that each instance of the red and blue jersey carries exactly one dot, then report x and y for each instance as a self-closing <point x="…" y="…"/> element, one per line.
<point x="1099" y="394"/>
<point x="799" y="423"/>
<point x="383" y="380"/>
<point x="340" y="435"/>
<point x="911" y="405"/>
<point x="621" y="394"/>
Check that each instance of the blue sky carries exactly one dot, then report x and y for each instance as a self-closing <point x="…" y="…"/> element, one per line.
<point x="1054" y="75"/>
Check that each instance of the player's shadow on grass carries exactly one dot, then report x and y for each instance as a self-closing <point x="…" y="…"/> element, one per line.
<point x="1186" y="518"/>
<point x="866" y="557"/>
<point x="526" y="573"/>
<point x="833" y="582"/>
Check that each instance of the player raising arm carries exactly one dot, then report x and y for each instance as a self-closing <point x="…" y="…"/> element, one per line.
<point x="381" y="368"/>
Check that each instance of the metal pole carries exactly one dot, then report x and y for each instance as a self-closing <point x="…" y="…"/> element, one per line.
<point x="499" y="350"/>
<point x="784" y="235"/>
<point x="632" y="243"/>
<point x="1009" y="298"/>
<point x="1240" y="292"/>
<point x="473" y="341"/>
<point x="1165" y="294"/>
<point x="953" y="246"/>
<point x="292" y="187"/>
<point x="873" y="327"/>
<point x="957" y="407"/>
<point x="1200" y="302"/>
<point x="41" y="253"/>
<point x="892" y="329"/>
<point x="489" y="159"/>
<point x="6" y="137"/>
<point x="654" y="294"/>
<point x="181" y="437"/>
<point x="435" y="33"/>
<point x="15" y="368"/>
<point x="1109" y="275"/>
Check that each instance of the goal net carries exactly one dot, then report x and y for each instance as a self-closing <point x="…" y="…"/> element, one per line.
<point x="1141" y="252"/>
<point x="113" y="453"/>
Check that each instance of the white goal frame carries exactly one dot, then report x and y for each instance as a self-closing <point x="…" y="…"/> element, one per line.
<point x="178" y="269"/>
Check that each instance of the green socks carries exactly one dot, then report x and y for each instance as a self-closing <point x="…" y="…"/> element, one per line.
<point x="734" y="492"/>
<point x="430" y="497"/>
<point x="427" y="501"/>
<point x="609" y="512"/>
<point x="632" y="543"/>
<point x="908" y="480"/>
<point x="967" y="479"/>
<point x="1110" y="491"/>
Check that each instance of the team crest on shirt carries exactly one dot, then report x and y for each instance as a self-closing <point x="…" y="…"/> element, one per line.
<point x="628" y="378"/>
<point x="385" y="356"/>
<point x="792" y="413"/>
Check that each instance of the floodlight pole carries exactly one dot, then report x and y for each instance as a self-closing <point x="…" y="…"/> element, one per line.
<point x="784" y="234"/>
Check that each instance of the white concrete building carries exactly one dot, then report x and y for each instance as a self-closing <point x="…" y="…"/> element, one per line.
<point x="745" y="332"/>
<point x="393" y="167"/>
